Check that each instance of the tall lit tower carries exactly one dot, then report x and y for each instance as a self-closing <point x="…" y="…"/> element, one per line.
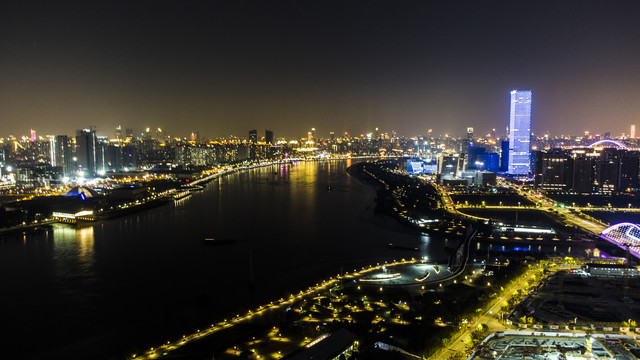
<point x="520" y="133"/>
<point x="632" y="133"/>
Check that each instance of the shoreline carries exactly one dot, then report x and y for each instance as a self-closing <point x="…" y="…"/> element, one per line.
<point x="157" y="202"/>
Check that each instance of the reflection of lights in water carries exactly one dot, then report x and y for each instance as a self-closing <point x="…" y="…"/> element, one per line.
<point x="84" y="239"/>
<point x="70" y="242"/>
<point x="425" y="238"/>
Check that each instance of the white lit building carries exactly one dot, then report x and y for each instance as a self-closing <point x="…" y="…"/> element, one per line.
<point x="520" y="133"/>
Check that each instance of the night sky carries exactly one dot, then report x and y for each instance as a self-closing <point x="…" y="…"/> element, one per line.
<point x="224" y="67"/>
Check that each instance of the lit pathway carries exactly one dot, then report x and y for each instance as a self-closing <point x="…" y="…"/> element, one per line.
<point x="166" y="348"/>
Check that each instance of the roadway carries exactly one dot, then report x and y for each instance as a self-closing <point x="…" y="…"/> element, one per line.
<point x="592" y="225"/>
<point x="458" y="343"/>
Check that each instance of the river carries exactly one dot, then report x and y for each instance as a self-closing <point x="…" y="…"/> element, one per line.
<point x="119" y="286"/>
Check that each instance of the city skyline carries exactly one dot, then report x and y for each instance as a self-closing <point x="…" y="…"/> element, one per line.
<point x="224" y="68"/>
<point x="320" y="179"/>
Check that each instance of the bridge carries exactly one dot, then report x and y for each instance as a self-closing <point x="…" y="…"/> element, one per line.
<point x="625" y="235"/>
<point x="609" y="141"/>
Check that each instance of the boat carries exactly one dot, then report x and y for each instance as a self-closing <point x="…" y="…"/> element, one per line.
<point x="393" y="246"/>
<point x="214" y="241"/>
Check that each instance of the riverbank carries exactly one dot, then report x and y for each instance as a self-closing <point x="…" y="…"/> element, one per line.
<point x="45" y="224"/>
<point x="144" y="278"/>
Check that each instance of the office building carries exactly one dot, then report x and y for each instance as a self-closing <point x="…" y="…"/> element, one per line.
<point x="504" y="156"/>
<point x="553" y="171"/>
<point x="488" y="162"/>
<point x="450" y="165"/>
<point x="629" y="170"/>
<point x="86" y="144"/>
<point x="129" y="157"/>
<point x="253" y="136"/>
<point x="268" y="137"/>
<point x="60" y="153"/>
<point x="520" y="132"/>
<point x="583" y="174"/>
<point x="475" y="157"/>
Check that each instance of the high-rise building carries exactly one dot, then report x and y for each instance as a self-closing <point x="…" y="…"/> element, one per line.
<point x="520" y="133"/>
<point x="119" y="133"/>
<point x="450" y="165"/>
<point x="86" y="144"/>
<point x="101" y="153"/>
<point x="629" y="169"/>
<point x="632" y="133"/>
<point x="129" y="157"/>
<point x="583" y="174"/>
<point x="553" y="170"/>
<point x="61" y="153"/>
<point x="470" y="133"/>
<point x="253" y="136"/>
<point x="504" y="155"/>
<point x="268" y="137"/>
<point x="114" y="157"/>
<point x="475" y="158"/>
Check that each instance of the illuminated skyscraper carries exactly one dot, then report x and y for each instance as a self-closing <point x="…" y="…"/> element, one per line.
<point x="61" y="154"/>
<point x="520" y="132"/>
<point x="632" y="134"/>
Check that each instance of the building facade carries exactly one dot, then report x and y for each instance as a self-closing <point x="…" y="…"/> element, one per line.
<point x="520" y="133"/>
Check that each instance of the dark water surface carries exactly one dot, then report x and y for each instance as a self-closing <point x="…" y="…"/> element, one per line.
<point x="123" y="285"/>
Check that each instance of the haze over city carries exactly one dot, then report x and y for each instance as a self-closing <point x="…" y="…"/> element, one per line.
<point x="221" y="68"/>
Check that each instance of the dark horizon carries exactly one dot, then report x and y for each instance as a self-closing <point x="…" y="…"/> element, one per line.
<point x="227" y="67"/>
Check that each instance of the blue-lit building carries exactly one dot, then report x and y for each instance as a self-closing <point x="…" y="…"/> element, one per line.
<point x="504" y="156"/>
<point x="520" y="133"/>
<point x="490" y="162"/>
